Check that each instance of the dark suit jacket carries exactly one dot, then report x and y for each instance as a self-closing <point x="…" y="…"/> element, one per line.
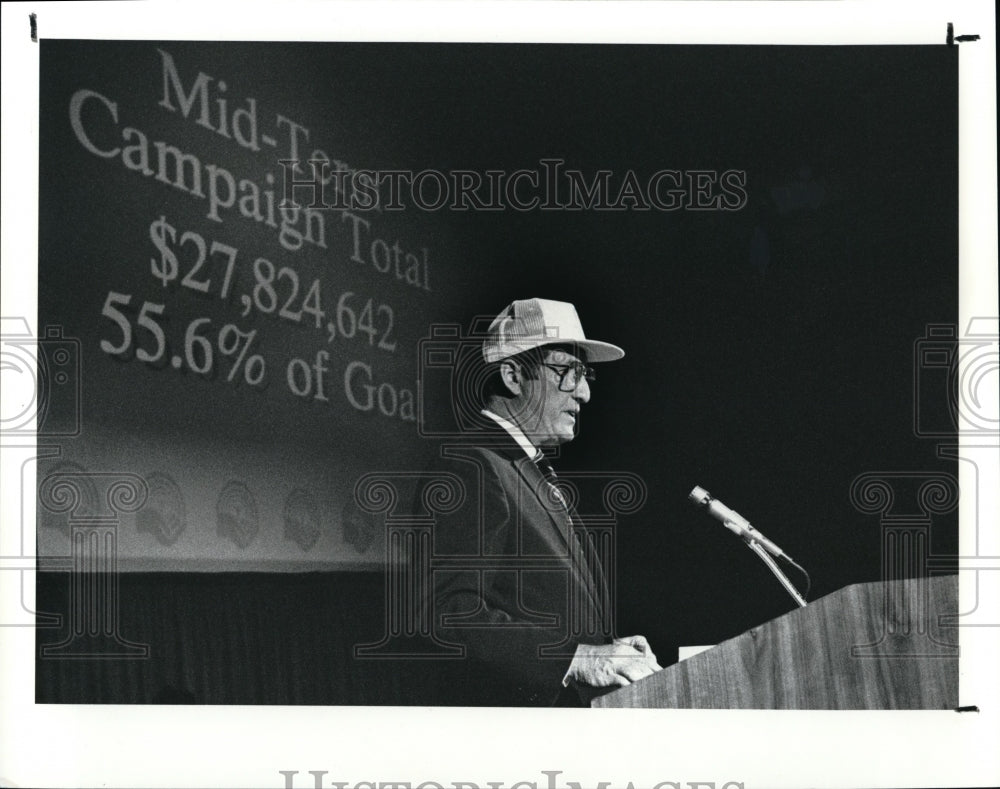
<point x="511" y="583"/>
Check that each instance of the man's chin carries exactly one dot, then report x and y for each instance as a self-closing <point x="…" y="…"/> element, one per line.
<point x="553" y="439"/>
<point x="564" y="438"/>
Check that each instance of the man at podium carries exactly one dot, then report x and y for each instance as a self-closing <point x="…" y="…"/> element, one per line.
<point x="516" y="583"/>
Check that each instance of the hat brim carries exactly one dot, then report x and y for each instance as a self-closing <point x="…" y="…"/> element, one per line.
<point x="598" y="351"/>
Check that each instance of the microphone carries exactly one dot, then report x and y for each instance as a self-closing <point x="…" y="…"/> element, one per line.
<point x="735" y="522"/>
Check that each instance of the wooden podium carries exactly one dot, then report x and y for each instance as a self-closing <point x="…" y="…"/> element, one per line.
<point x="884" y="645"/>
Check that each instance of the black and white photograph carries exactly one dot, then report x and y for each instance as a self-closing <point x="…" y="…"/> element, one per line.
<point x="372" y="388"/>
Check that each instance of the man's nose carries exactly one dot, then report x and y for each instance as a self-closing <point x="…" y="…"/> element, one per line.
<point x="582" y="391"/>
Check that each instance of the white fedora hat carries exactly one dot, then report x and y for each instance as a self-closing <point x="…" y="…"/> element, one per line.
<point x="532" y="323"/>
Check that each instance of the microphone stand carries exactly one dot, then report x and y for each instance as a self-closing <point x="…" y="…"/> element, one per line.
<point x="754" y="546"/>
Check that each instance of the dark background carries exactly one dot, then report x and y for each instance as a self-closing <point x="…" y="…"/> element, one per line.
<point x="770" y="351"/>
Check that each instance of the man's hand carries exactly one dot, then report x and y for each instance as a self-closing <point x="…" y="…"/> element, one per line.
<point x="620" y="663"/>
<point x="642" y="645"/>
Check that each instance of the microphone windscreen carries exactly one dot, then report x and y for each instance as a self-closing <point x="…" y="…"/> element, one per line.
<point x="699" y="495"/>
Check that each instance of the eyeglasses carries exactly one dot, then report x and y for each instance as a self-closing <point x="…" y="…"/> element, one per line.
<point x="570" y="375"/>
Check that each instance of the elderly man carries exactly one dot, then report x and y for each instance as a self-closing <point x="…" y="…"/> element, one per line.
<point x="527" y="599"/>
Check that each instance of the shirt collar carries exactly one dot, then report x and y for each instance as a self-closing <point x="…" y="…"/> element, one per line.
<point x="515" y="432"/>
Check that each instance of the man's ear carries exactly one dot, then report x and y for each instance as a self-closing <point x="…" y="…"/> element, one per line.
<point x="510" y="374"/>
